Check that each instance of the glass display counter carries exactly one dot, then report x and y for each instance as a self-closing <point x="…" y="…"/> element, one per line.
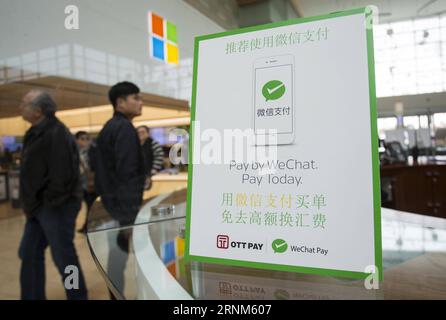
<point x="145" y="260"/>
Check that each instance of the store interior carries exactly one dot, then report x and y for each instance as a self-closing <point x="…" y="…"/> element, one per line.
<point x="77" y="67"/>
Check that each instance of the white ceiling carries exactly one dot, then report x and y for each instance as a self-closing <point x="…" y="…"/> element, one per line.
<point x="112" y="43"/>
<point x="390" y="10"/>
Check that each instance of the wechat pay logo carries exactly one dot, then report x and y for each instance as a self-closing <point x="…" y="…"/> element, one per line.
<point x="279" y="246"/>
<point x="273" y="90"/>
<point x="281" y="294"/>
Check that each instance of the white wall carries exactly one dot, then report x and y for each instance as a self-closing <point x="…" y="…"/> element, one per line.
<point x="111" y="45"/>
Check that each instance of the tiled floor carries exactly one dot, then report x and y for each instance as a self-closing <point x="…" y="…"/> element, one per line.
<point x="11" y="228"/>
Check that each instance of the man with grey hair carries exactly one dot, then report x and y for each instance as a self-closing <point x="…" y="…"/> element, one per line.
<point x="51" y="193"/>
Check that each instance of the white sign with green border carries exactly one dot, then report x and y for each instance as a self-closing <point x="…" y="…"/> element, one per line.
<point x="306" y="89"/>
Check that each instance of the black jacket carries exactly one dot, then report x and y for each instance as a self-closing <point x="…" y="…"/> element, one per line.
<point x="49" y="173"/>
<point x="119" y="168"/>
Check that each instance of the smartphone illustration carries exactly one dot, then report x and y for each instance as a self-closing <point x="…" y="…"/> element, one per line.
<point x="273" y="111"/>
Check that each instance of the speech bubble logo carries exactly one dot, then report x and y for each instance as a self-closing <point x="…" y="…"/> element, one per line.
<point x="279" y="246"/>
<point x="281" y="294"/>
<point x="273" y="90"/>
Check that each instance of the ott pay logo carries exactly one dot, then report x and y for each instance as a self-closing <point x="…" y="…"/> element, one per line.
<point x="222" y="241"/>
<point x="279" y="246"/>
<point x="273" y="90"/>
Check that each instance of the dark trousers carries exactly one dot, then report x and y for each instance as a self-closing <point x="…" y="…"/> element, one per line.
<point x="89" y="199"/>
<point x="119" y="247"/>
<point x="53" y="227"/>
<point x="117" y="259"/>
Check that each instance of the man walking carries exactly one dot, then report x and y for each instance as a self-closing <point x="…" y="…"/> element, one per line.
<point x="51" y="193"/>
<point x="120" y="172"/>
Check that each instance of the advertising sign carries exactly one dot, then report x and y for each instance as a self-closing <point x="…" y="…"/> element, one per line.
<point x="302" y="192"/>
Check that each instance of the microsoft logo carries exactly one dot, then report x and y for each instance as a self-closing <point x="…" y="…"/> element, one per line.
<point x="163" y="39"/>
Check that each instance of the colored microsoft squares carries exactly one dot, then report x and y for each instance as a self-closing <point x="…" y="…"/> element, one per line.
<point x="171" y="32"/>
<point x="157" y="25"/>
<point x="172" y="268"/>
<point x="158" y="48"/>
<point x="181" y="268"/>
<point x="163" y="39"/>
<point x="168" y="252"/>
<point x="179" y="247"/>
<point x="172" y="53"/>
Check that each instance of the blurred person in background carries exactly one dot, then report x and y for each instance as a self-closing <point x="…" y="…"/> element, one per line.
<point x="3" y="157"/>
<point x="86" y="147"/>
<point x="152" y="152"/>
<point x="51" y="193"/>
<point x="2" y="148"/>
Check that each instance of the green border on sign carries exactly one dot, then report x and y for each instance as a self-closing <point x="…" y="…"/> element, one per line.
<point x="374" y="143"/>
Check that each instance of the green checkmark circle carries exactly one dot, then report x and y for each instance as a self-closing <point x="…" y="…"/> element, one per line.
<point x="279" y="246"/>
<point x="273" y="90"/>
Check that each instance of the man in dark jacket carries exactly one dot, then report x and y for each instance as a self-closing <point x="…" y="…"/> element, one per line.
<point x="120" y="172"/>
<point x="119" y="164"/>
<point x="51" y="192"/>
